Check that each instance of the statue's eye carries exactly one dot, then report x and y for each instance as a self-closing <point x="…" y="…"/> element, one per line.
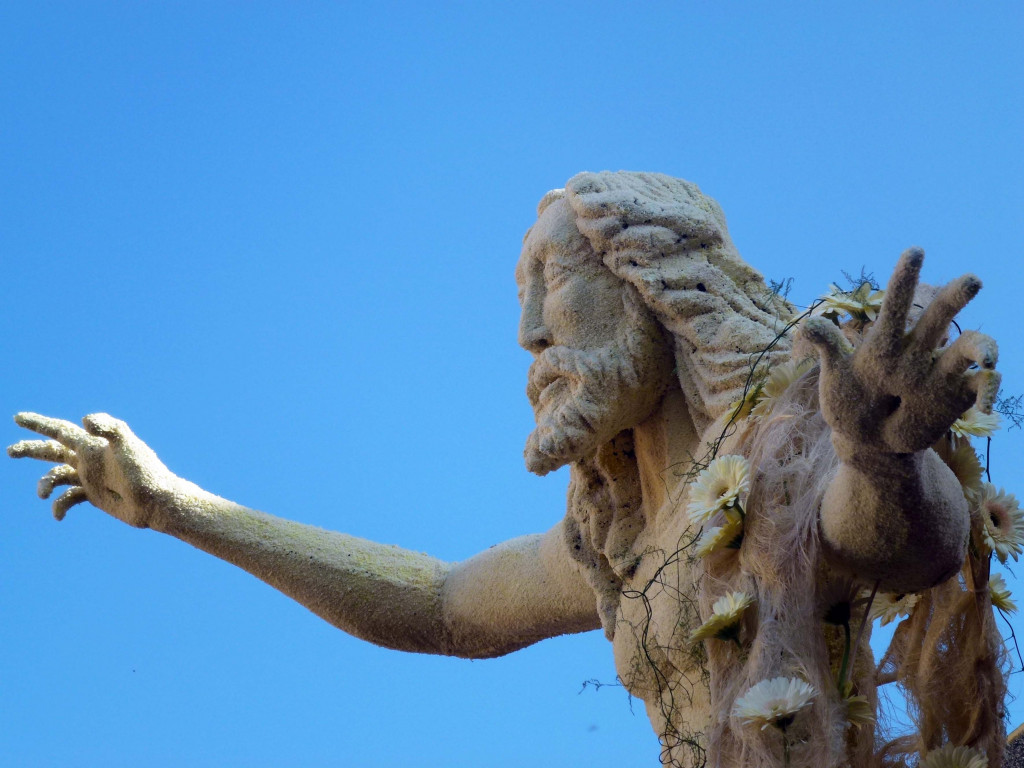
<point x="555" y="273"/>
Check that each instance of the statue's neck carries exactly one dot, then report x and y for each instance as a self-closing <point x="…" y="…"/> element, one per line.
<point x="665" y="444"/>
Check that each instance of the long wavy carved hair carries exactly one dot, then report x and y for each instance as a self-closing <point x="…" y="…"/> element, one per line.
<point x="669" y="241"/>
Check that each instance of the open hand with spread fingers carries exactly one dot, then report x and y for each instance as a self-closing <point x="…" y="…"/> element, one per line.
<point x="895" y="512"/>
<point x="898" y="392"/>
<point x="104" y="464"/>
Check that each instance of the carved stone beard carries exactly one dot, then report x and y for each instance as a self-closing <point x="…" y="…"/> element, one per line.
<point x="583" y="398"/>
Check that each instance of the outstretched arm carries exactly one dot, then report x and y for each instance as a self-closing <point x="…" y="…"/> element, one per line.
<point x="895" y="513"/>
<point x="503" y="599"/>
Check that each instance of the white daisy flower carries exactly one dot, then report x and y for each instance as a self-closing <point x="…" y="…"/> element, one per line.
<point x="779" y="380"/>
<point x="1003" y="522"/>
<point x="858" y="709"/>
<point x="975" y="423"/>
<point x="836" y="599"/>
<point x="954" y="757"/>
<point x="717" y="487"/>
<point x="890" y="607"/>
<point x="966" y="466"/>
<point x="714" y="539"/>
<point x="774" y="702"/>
<point x="1000" y="594"/>
<point x="861" y="304"/>
<point x="724" y="623"/>
<point x="742" y="408"/>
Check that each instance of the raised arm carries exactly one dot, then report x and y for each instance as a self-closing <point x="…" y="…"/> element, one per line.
<point x="894" y="512"/>
<point x="503" y="599"/>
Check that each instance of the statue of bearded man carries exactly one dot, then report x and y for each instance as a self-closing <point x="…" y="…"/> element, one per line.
<point x="649" y="335"/>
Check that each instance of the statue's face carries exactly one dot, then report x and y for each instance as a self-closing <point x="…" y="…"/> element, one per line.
<point x="568" y="296"/>
<point x="598" y="368"/>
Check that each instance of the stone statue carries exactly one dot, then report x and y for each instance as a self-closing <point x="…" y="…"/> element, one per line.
<point x="744" y="484"/>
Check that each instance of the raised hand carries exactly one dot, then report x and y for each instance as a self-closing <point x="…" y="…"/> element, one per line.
<point x="104" y="464"/>
<point x="894" y="513"/>
<point x="898" y="393"/>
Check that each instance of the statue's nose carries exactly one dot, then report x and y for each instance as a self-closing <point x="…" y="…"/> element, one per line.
<point x="534" y="335"/>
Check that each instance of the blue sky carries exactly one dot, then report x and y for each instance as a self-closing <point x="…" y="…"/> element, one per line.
<point x="278" y="240"/>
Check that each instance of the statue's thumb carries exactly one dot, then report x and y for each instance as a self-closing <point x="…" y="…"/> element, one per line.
<point x="106" y="426"/>
<point x="826" y="338"/>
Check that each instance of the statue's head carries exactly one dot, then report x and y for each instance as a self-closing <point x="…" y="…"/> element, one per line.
<point x="623" y="277"/>
<point x="601" y="363"/>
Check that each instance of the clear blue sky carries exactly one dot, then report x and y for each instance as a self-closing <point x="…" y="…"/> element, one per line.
<point x="278" y="240"/>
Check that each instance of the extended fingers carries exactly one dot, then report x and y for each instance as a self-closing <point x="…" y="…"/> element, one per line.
<point x="970" y="348"/>
<point x="44" y="450"/>
<point x="985" y="386"/>
<point x="62" y="475"/>
<point x="106" y="426"/>
<point x="64" y="432"/>
<point x="827" y="340"/>
<point x="67" y="500"/>
<point x="935" y="320"/>
<point x="899" y="296"/>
